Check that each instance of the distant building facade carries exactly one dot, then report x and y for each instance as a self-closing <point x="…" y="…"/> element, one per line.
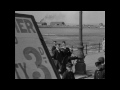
<point x="57" y="23"/>
<point x="101" y="24"/>
<point x="42" y="23"/>
<point x="90" y="26"/>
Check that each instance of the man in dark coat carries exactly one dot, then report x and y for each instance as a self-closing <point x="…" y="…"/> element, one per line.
<point x="68" y="74"/>
<point x="100" y="72"/>
<point x="66" y="54"/>
<point x="57" y="56"/>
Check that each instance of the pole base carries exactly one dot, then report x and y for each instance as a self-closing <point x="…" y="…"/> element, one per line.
<point x="80" y="68"/>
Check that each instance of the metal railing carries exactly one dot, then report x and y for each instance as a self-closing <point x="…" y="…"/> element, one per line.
<point x="88" y="48"/>
<point x="92" y="47"/>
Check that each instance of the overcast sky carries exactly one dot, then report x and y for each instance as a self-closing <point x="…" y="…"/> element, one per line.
<point x="69" y="17"/>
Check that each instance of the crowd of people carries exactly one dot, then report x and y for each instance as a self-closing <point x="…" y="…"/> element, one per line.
<point x="62" y="57"/>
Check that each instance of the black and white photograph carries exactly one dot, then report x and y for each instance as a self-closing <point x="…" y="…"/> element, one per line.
<point x="59" y="44"/>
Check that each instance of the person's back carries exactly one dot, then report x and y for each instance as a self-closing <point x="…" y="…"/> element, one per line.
<point x="68" y="74"/>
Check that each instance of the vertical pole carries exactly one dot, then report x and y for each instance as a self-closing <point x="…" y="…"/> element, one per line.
<point x="80" y="67"/>
<point x="81" y="47"/>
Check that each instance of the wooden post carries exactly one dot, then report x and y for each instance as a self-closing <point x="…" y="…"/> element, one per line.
<point x="99" y="47"/>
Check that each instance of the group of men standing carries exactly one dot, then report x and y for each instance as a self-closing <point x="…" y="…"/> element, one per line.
<point x="61" y="55"/>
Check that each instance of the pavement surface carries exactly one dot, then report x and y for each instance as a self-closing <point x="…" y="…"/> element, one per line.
<point x="90" y="60"/>
<point x="90" y="65"/>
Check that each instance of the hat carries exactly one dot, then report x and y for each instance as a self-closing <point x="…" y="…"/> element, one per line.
<point x="97" y="63"/>
<point x="69" y="65"/>
<point x="101" y="59"/>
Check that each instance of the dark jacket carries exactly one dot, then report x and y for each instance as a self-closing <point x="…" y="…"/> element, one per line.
<point x="57" y="55"/>
<point x="100" y="74"/>
<point x="68" y="75"/>
<point x="53" y="48"/>
<point x="66" y="54"/>
<point x="57" y="58"/>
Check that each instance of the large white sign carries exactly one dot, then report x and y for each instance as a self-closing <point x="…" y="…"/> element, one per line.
<point x="32" y="58"/>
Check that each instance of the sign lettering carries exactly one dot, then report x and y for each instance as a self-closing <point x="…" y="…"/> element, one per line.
<point x="41" y="50"/>
<point x="16" y="66"/>
<point x="38" y="62"/>
<point x="32" y="58"/>
<point x="24" y="26"/>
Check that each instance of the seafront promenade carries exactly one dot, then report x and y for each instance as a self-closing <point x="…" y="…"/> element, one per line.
<point x="90" y="65"/>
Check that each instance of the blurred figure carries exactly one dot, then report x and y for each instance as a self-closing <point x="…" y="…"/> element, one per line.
<point x="68" y="74"/>
<point x="63" y="44"/>
<point x="71" y="49"/>
<point x="53" y="52"/>
<point x="57" y="56"/>
<point x="66" y="53"/>
<point x="103" y="44"/>
<point x="54" y="46"/>
<point x="100" y="72"/>
<point x="66" y="50"/>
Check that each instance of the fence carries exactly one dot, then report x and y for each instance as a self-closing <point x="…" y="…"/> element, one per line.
<point x="92" y="48"/>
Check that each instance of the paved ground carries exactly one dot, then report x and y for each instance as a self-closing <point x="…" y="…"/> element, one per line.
<point x="90" y="64"/>
<point x="90" y="60"/>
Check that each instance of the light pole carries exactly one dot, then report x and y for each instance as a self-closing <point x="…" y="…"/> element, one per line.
<point x="80" y="67"/>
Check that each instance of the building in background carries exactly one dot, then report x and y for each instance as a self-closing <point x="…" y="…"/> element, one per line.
<point x="57" y="24"/>
<point x="42" y="23"/>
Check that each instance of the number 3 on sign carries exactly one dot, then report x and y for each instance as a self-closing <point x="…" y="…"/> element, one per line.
<point x="38" y="62"/>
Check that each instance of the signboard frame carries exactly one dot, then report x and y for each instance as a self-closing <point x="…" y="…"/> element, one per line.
<point x="41" y="40"/>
